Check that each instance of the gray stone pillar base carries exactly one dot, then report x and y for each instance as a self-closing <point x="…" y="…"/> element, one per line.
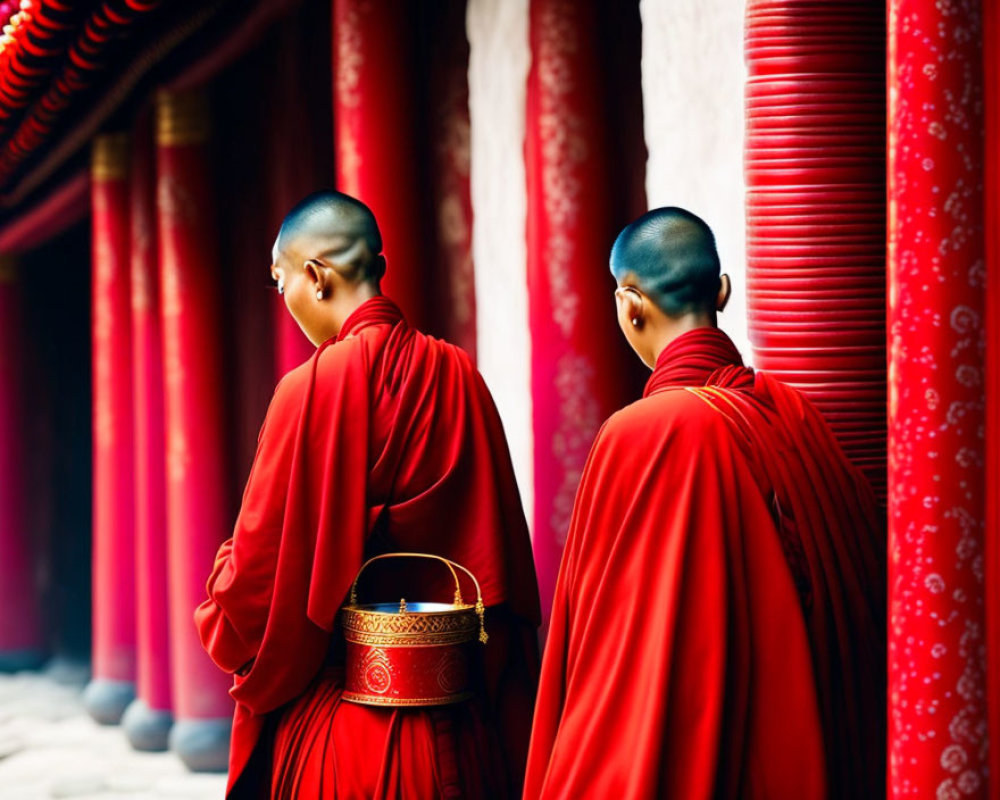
<point x="202" y="744"/>
<point x="19" y="660"/>
<point x="146" y="728"/>
<point x="106" y="700"/>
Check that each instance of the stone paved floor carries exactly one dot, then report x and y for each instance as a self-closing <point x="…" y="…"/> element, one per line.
<point x="49" y="748"/>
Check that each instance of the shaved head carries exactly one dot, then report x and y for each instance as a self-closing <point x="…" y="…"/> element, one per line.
<point x="670" y="255"/>
<point x="336" y="228"/>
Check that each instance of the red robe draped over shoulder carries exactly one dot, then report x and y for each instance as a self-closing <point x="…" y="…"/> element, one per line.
<point x="718" y="627"/>
<point x="385" y="439"/>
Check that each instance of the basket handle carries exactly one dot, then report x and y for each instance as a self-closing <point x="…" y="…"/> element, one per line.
<point x="451" y="565"/>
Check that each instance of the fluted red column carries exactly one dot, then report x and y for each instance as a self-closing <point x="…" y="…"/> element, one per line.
<point x="815" y="173"/>
<point x="21" y="639"/>
<point x="113" y="684"/>
<point x="578" y="357"/>
<point x="148" y="719"/>
<point x="937" y="284"/>
<point x="377" y="136"/>
<point x="198" y="516"/>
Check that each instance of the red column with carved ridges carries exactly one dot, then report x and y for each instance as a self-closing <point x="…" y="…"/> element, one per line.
<point x="21" y="638"/>
<point x="148" y="719"/>
<point x="198" y="513"/>
<point x="113" y="685"/>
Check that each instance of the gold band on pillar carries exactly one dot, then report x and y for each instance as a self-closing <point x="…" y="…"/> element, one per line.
<point x="110" y="156"/>
<point x="8" y="269"/>
<point x="182" y="118"/>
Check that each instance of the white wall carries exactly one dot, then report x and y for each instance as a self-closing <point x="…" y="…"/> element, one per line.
<point x="499" y="58"/>
<point x="692" y="85"/>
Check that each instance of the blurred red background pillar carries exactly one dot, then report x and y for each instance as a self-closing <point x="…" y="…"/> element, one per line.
<point x="21" y="640"/>
<point x="198" y="513"/>
<point x="148" y="719"/>
<point x="376" y="132"/>
<point x="113" y="685"/>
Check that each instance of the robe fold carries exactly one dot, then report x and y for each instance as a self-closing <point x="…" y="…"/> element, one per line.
<point x="718" y="627"/>
<point x="384" y="440"/>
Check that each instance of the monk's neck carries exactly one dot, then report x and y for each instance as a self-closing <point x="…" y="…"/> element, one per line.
<point x="675" y="328"/>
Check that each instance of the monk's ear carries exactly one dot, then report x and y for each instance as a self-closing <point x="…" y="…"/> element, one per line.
<point x="630" y="307"/>
<point x="725" y="290"/>
<point x="318" y="274"/>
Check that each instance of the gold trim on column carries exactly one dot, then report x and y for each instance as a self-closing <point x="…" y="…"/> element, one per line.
<point x="8" y="270"/>
<point x="182" y="118"/>
<point x="110" y="156"/>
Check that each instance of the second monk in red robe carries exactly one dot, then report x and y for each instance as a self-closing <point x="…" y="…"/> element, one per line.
<point x="718" y="625"/>
<point x="385" y="440"/>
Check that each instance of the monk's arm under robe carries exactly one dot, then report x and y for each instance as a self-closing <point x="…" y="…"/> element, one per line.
<point x="231" y="621"/>
<point x="300" y="535"/>
<point x="676" y="639"/>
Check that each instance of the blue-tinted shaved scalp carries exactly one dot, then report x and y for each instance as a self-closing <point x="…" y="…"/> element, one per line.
<point x="330" y="221"/>
<point x="669" y="253"/>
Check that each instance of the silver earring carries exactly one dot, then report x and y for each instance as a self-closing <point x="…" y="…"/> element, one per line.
<point x="319" y="295"/>
<point x="635" y="322"/>
<point x="281" y="286"/>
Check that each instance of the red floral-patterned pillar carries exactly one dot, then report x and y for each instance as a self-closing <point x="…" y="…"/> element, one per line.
<point x="113" y="684"/>
<point x="198" y="516"/>
<point x="577" y="360"/>
<point x="937" y="277"/>
<point x="148" y="719"/>
<point x="21" y="640"/>
<point x="377" y="136"/>
<point x="991" y="72"/>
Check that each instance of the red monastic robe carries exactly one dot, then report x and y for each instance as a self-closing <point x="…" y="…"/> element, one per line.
<point x="718" y="627"/>
<point x="384" y="440"/>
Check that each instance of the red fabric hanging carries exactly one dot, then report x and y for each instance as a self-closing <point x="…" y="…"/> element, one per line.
<point x="152" y="605"/>
<point x="190" y="301"/>
<point x="20" y="625"/>
<point x="815" y="171"/>
<point x="937" y="274"/>
<point x="376" y="137"/>
<point x="113" y="489"/>
<point x="579" y="363"/>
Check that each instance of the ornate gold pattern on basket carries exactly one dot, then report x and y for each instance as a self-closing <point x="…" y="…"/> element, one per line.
<point x="418" y="655"/>
<point x="372" y="700"/>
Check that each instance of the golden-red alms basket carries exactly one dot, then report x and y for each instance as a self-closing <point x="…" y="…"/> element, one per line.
<point x="412" y="653"/>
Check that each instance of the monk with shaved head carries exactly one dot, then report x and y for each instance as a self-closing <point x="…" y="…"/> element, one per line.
<point x="386" y="440"/>
<point x="718" y="624"/>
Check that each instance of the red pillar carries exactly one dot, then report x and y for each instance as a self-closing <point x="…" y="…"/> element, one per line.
<point x="148" y="719"/>
<point x="991" y="72"/>
<point x="21" y="641"/>
<point x="815" y="174"/>
<point x="450" y="158"/>
<point x="377" y="136"/>
<point x="113" y="684"/>
<point x="579" y="359"/>
<point x="937" y="276"/>
<point x="198" y="516"/>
